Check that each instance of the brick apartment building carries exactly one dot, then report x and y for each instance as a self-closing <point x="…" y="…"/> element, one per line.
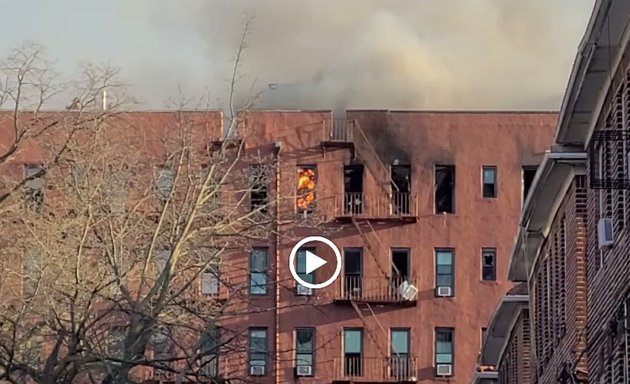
<point x="571" y="247"/>
<point x="422" y="198"/>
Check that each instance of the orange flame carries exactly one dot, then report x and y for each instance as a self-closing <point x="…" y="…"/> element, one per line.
<point x="306" y="186"/>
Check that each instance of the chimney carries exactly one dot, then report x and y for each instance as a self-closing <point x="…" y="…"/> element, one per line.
<point x="104" y="99"/>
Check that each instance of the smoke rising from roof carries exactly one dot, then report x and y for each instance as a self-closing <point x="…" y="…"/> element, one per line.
<point x="397" y="54"/>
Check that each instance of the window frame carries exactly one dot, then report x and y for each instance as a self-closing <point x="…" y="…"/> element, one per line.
<point x="391" y="341"/>
<point x="312" y="207"/>
<point x="452" y="273"/>
<point x="264" y="272"/>
<point x="298" y="353"/>
<point x="250" y="348"/>
<point x="213" y="353"/>
<point x="453" y="189"/>
<point x="361" y="347"/>
<point x="444" y="330"/>
<point x="163" y="194"/>
<point x="494" y="184"/>
<point x="484" y="251"/>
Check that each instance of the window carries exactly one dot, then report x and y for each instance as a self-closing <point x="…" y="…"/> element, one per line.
<point x="444" y="346"/>
<point x="301" y="265"/>
<point x="31" y="270"/>
<point x="484" y="332"/>
<point x="209" y="351"/>
<point x="304" y="347"/>
<point x="399" y="353"/>
<point x="306" y="183"/>
<point x="34" y="187"/>
<point x="352" y="264"/>
<point x="401" y="187"/>
<point x="445" y="189"/>
<point x="353" y="189"/>
<point x="164" y="182"/>
<point x="210" y="279"/>
<point x="488" y="264"/>
<point x="444" y="268"/>
<point x="529" y="171"/>
<point x="258" y="349"/>
<point x="116" y="342"/>
<point x="352" y="351"/>
<point x="161" y="260"/>
<point x="163" y="351"/>
<point x="489" y="189"/>
<point x="258" y="195"/>
<point x="258" y="271"/>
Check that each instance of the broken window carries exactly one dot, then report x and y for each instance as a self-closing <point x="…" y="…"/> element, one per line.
<point x="353" y="189"/>
<point x="529" y="172"/>
<point x="164" y="180"/>
<point x="488" y="264"/>
<point x="306" y="182"/>
<point x="489" y="177"/>
<point x="258" y="196"/>
<point x="445" y="189"/>
<point x="401" y="186"/>
<point x="34" y="186"/>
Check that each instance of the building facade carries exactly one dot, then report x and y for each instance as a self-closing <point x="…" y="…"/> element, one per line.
<point x="424" y="201"/>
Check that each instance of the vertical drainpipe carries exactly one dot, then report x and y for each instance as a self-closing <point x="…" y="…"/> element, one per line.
<point x="277" y="277"/>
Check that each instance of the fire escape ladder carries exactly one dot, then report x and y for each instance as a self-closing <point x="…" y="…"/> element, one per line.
<point x="383" y="248"/>
<point x="361" y="141"/>
<point x="371" y="251"/>
<point x="375" y="339"/>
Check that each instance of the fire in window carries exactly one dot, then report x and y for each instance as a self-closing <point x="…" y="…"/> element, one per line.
<point x="306" y="182"/>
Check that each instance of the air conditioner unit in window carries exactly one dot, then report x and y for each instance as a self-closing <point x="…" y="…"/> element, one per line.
<point x="304" y="370"/>
<point x="605" y="234"/>
<point x="407" y="291"/>
<point x="444" y="292"/>
<point x="444" y="370"/>
<point x="257" y="370"/>
<point x="304" y="291"/>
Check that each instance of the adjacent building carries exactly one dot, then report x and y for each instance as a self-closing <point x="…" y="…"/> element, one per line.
<point x="572" y="244"/>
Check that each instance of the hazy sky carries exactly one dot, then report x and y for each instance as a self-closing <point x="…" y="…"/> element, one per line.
<point x="497" y="54"/>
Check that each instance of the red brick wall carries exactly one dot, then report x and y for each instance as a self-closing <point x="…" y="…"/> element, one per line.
<point x="557" y="290"/>
<point x="514" y="367"/>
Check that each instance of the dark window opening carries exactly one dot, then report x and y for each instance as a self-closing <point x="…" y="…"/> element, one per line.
<point x="488" y="264"/>
<point x="306" y="184"/>
<point x="484" y="332"/>
<point x="259" y="182"/>
<point x="528" y="178"/>
<point x="353" y="189"/>
<point x="401" y="188"/>
<point x="305" y="348"/>
<point x="209" y="351"/>
<point x="489" y="176"/>
<point x="353" y="352"/>
<point x="445" y="189"/>
<point x="352" y="265"/>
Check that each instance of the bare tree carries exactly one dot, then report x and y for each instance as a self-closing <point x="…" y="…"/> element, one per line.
<point x="117" y="275"/>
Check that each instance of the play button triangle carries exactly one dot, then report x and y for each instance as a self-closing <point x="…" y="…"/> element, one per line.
<point x="313" y="262"/>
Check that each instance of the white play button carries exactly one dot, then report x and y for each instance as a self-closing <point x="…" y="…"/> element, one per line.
<point x="313" y="262"/>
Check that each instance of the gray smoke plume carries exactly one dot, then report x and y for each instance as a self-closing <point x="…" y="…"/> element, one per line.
<point x="398" y="54"/>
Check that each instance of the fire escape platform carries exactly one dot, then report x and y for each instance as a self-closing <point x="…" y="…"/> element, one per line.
<point x="376" y="219"/>
<point x="362" y="380"/>
<point x="384" y="301"/>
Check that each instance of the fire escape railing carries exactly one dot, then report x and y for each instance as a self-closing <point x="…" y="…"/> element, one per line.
<point x="376" y="369"/>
